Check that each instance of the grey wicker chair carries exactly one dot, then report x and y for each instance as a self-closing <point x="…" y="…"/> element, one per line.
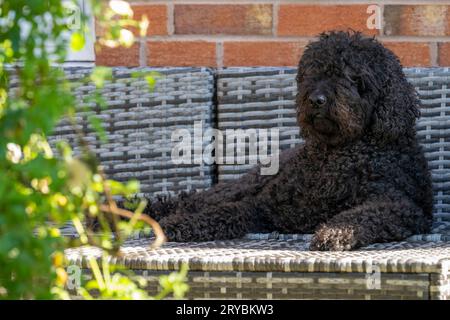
<point x="262" y="266"/>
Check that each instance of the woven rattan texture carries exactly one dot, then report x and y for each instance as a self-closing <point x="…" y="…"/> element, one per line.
<point x="139" y="124"/>
<point x="297" y="285"/>
<point x="433" y="87"/>
<point x="256" y="98"/>
<point x="275" y="256"/>
<point x="284" y="269"/>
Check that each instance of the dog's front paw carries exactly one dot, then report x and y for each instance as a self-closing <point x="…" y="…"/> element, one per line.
<point x="333" y="238"/>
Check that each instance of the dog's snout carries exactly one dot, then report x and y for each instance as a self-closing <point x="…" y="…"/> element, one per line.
<point x="318" y="99"/>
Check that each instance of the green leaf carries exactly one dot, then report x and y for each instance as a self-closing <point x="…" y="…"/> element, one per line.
<point x="97" y="125"/>
<point x="151" y="81"/>
<point x="116" y="187"/>
<point x="77" y="41"/>
<point x="132" y="187"/>
<point x="99" y="75"/>
<point x="152" y="78"/>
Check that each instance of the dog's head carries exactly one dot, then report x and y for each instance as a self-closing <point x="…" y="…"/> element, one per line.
<point x="350" y="86"/>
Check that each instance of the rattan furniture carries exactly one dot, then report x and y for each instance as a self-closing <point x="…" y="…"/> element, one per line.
<point x="260" y="266"/>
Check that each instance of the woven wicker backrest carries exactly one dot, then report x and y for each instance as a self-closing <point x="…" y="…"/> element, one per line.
<point x="139" y="124"/>
<point x="262" y="97"/>
<point x="253" y="98"/>
<point x="433" y="129"/>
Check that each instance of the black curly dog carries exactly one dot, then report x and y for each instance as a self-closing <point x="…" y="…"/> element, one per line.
<point x="359" y="178"/>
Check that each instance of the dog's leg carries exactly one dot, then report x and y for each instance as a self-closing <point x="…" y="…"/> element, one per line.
<point x="226" y="211"/>
<point x="374" y="221"/>
<point x="224" y="221"/>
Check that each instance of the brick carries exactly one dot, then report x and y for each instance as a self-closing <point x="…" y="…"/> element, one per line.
<point x="444" y="54"/>
<point x="223" y="19"/>
<point x="262" y="53"/>
<point x="119" y="56"/>
<point x="411" y="54"/>
<point x="181" y="53"/>
<point x="157" y="16"/>
<point x="419" y="20"/>
<point x="310" y="20"/>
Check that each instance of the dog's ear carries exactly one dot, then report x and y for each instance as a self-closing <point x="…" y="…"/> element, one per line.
<point x="397" y="106"/>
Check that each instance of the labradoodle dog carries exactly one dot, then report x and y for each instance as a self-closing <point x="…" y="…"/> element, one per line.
<point x="360" y="176"/>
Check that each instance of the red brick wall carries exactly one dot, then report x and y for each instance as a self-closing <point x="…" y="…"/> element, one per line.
<point x="274" y="32"/>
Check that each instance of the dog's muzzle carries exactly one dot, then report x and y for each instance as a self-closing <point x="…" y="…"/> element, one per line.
<point x="323" y="124"/>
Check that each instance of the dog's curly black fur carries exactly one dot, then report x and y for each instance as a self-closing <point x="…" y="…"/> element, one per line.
<point x="360" y="176"/>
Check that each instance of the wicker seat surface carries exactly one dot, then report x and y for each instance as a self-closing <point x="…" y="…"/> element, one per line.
<point x="274" y="255"/>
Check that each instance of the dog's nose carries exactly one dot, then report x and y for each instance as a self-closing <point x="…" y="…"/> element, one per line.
<point x="318" y="99"/>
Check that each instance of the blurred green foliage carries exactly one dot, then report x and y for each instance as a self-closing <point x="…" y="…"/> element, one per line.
<point x="40" y="191"/>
